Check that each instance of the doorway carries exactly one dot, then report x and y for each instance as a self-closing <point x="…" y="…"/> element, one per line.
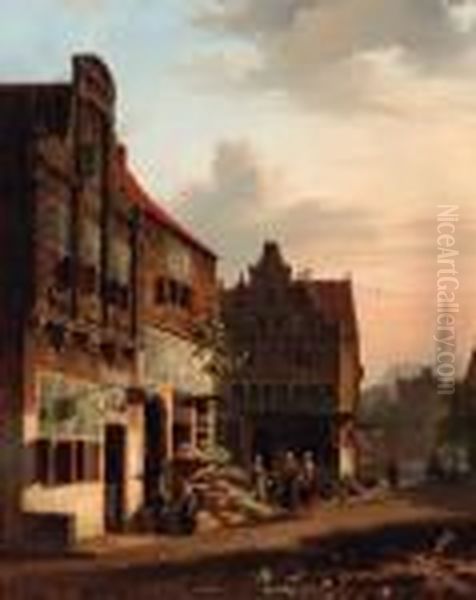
<point x="154" y="448"/>
<point x="115" y="450"/>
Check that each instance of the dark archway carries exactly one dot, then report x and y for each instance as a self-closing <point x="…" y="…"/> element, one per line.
<point x="153" y="447"/>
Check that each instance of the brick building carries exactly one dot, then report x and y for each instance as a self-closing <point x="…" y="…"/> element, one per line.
<point x="298" y="387"/>
<point x="99" y="290"/>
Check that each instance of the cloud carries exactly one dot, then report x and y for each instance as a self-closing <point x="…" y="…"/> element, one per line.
<point x="250" y="18"/>
<point x="333" y="30"/>
<point x="463" y="14"/>
<point x="245" y="202"/>
<point x="390" y="249"/>
<point x="338" y="52"/>
<point x="82" y="5"/>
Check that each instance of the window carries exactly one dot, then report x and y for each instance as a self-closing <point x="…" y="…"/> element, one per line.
<point x="56" y="333"/>
<point x="92" y="461"/>
<point x="123" y="297"/>
<point x="79" y="459"/>
<point x="238" y="391"/>
<point x="88" y="279"/>
<point x="109" y="351"/>
<point x="66" y="461"/>
<point x="90" y="242"/>
<point x="270" y="295"/>
<point x="266" y="398"/>
<point x="172" y="292"/>
<point x="281" y="397"/>
<point x="88" y="160"/>
<point x="185" y="295"/>
<point x="302" y="358"/>
<point x="238" y="395"/>
<point x="63" y="462"/>
<point x="117" y="294"/>
<point x="64" y="409"/>
<point x="262" y="326"/>
<point x="160" y="291"/>
<point x="120" y="261"/>
<point x="42" y="460"/>
<point x="254" y="393"/>
<point x="63" y="273"/>
<point x="81" y="340"/>
<point x="181" y="435"/>
<point x="53" y="223"/>
<point x="177" y="255"/>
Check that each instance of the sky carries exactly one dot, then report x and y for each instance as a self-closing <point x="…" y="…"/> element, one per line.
<point x="336" y="127"/>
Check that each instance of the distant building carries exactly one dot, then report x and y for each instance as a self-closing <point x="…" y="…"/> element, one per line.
<point x="470" y="377"/>
<point x="99" y="289"/>
<point x="402" y="423"/>
<point x="298" y="387"/>
<point x="466" y="396"/>
<point x="418" y="415"/>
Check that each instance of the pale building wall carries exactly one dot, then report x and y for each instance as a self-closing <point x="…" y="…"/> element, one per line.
<point x="84" y="501"/>
<point x="134" y="460"/>
<point x="349" y="377"/>
<point x="167" y="399"/>
<point x="347" y="461"/>
<point x="350" y="374"/>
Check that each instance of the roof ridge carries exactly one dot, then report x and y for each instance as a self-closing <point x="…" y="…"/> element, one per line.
<point x="157" y="211"/>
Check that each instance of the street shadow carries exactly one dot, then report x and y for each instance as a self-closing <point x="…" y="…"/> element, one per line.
<point x="453" y="533"/>
<point x="29" y="555"/>
<point x="456" y="496"/>
<point x="324" y="555"/>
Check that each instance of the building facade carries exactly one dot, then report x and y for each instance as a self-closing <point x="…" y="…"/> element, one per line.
<point x="298" y="384"/>
<point x="99" y="290"/>
<point x="462" y="410"/>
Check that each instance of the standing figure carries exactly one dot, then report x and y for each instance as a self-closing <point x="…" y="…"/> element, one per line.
<point x="260" y="479"/>
<point x="290" y="481"/>
<point x="308" y="478"/>
<point x="434" y="468"/>
<point x="274" y="483"/>
<point x="393" y="474"/>
<point x="187" y="508"/>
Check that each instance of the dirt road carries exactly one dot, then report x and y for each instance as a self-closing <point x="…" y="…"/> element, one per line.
<point x="395" y="546"/>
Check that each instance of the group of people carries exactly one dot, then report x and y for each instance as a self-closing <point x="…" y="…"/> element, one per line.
<point x="289" y="481"/>
<point x="178" y="512"/>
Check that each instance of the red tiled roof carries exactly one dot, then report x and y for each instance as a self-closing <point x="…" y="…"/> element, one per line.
<point x="335" y="301"/>
<point x="137" y="194"/>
